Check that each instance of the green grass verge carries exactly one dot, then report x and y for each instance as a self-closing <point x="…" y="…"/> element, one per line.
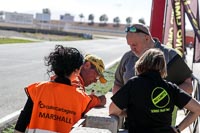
<point x="51" y="37"/>
<point x="9" y="129"/>
<point x="100" y="89"/>
<point x="39" y="37"/>
<point x="13" y="40"/>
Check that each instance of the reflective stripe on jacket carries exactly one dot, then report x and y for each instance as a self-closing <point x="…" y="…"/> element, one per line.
<point x="39" y="131"/>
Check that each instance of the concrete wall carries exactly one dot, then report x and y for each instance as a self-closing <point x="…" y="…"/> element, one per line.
<point x="98" y="118"/>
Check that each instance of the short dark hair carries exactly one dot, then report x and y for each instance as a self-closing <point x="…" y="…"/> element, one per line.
<point x="63" y="60"/>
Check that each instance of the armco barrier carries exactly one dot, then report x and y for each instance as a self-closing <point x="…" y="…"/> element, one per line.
<point x="45" y="31"/>
<point x="9" y="119"/>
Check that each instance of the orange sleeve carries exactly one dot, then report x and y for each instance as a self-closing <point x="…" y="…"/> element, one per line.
<point x="95" y="101"/>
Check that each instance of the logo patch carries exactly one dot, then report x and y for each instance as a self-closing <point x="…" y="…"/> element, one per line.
<point x="160" y="98"/>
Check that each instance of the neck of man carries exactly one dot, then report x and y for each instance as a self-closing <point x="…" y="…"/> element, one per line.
<point x="152" y="43"/>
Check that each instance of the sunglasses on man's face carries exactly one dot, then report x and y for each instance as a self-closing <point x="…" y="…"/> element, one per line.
<point x="135" y="30"/>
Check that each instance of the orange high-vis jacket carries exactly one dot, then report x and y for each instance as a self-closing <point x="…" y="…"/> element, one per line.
<point x="95" y="101"/>
<point x="56" y="107"/>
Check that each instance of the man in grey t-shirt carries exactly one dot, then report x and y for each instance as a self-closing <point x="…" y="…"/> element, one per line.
<point x="139" y="39"/>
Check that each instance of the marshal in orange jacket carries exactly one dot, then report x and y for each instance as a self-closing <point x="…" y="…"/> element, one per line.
<point x="56" y="107"/>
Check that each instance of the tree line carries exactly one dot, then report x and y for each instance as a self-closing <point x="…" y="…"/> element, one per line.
<point x="104" y="19"/>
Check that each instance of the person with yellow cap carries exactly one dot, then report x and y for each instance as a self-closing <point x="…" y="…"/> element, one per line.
<point x="92" y="71"/>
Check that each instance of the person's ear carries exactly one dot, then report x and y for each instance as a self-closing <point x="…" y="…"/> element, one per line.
<point x="147" y="38"/>
<point x="86" y="65"/>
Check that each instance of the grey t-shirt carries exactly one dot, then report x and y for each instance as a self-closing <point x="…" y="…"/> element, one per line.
<point x="126" y="70"/>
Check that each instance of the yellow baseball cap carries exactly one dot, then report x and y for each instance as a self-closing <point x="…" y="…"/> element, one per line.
<point x="98" y="63"/>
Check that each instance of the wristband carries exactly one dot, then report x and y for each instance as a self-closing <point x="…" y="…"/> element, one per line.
<point x="177" y="129"/>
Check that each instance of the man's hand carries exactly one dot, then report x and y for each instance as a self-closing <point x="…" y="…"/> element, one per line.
<point x="102" y="99"/>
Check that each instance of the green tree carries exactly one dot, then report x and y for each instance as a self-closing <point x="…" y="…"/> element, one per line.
<point x="116" y="21"/>
<point x="141" y="20"/>
<point x="128" y="20"/>
<point x="103" y="18"/>
<point x="91" y="18"/>
<point x="81" y="17"/>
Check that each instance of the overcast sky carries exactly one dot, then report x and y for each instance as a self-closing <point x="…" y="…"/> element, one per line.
<point x="112" y="8"/>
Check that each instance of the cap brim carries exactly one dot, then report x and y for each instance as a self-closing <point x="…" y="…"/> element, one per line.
<point x="102" y="80"/>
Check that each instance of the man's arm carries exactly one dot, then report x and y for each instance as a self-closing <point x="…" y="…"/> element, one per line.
<point x="96" y="101"/>
<point x="115" y="89"/>
<point x="119" y="73"/>
<point x="178" y="72"/>
<point x="114" y="110"/>
<point x="187" y="86"/>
